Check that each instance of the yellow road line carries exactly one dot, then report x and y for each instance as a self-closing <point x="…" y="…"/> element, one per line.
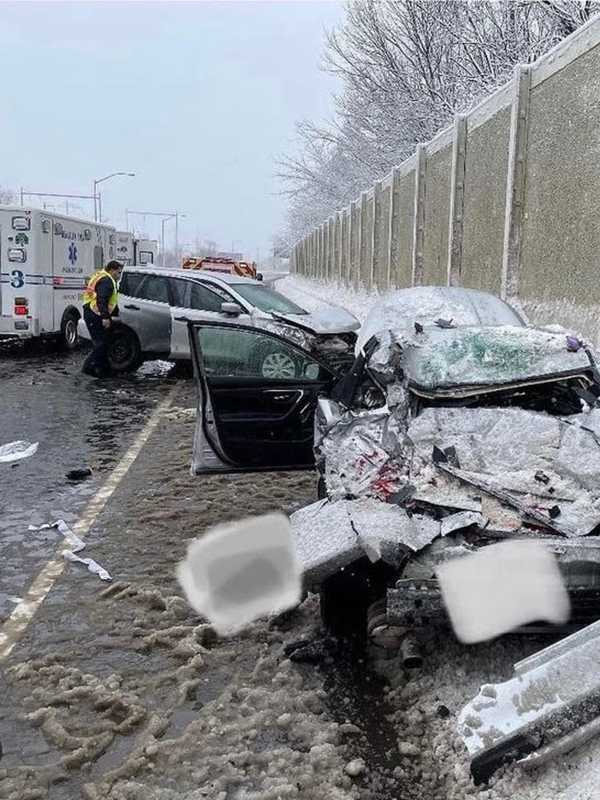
<point x="24" y="612"/>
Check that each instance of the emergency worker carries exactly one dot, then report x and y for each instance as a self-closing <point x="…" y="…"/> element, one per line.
<point x="100" y="305"/>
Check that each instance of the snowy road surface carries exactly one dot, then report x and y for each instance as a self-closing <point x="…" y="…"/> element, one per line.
<point x="119" y="691"/>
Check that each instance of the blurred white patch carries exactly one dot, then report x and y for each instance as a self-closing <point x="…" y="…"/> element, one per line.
<point x="240" y="571"/>
<point x="502" y="587"/>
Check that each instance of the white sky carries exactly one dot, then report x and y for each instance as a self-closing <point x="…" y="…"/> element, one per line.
<point x="196" y="98"/>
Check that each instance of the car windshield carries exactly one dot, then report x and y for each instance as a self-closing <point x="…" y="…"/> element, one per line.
<point x="399" y="311"/>
<point x="488" y="356"/>
<point x="266" y="299"/>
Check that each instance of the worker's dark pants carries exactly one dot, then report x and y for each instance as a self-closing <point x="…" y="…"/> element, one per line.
<point x="97" y="362"/>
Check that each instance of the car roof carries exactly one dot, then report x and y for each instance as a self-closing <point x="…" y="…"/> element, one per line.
<point x="193" y="274"/>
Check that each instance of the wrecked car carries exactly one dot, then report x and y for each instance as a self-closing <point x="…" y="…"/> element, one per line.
<point x="456" y="427"/>
<point x="156" y="305"/>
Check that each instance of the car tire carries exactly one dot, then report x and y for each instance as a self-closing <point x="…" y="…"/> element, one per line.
<point x="69" y="337"/>
<point x="271" y="361"/>
<point x="124" y="350"/>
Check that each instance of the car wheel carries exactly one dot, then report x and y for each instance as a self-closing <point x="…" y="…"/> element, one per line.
<point x="124" y="350"/>
<point x="274" y="363"/>
<point x="69" y="338"/>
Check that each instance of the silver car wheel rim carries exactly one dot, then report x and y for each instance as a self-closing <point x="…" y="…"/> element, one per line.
<point x="278" y="365"/>
<point x="71" y="332"/>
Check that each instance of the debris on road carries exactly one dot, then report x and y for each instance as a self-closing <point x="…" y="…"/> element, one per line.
<point x="15" y="451"/>
<point x="241" y="571"/>
<point x="92" y="565"/>
<point x="72" y="539"/>
<point x="549" y="707"/>
<point x="79" y="474"/>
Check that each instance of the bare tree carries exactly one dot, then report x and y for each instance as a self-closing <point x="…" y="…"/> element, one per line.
<point x="8" y="197"/>
<point x="406" y="66"/>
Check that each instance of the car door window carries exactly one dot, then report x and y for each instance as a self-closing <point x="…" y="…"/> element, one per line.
<point x="222" y="293"/>
<point x="204" y="299"/>
<point x="180" y="292"/>
<point x="154" y="287"/>
<point x="230" y="352"/>
<point x="130" y="282"/>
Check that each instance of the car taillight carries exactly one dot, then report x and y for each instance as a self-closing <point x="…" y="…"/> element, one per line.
<point x="21" y="307"/>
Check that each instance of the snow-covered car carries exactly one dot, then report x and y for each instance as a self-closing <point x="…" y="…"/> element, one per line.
<point x="155" y="306"/>
<point x="457" y="426"/>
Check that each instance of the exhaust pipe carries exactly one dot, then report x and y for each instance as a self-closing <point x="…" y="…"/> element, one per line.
<point x="410" y="652"/>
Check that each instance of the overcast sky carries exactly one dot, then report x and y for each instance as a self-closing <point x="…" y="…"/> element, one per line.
<point x="196" y="98"/>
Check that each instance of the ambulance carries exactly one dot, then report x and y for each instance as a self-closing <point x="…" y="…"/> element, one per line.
<point x="45" y="262"/>
<point x="134" y="252"/>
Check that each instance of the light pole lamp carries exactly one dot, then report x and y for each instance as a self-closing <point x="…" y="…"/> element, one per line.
<point x="97" y="198"/>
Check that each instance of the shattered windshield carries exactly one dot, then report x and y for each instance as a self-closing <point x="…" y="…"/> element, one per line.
<point x="488" y="356"/>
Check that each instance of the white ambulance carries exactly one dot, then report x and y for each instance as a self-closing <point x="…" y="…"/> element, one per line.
<point x="45" y="261"/>
<point x="134" y="252"/>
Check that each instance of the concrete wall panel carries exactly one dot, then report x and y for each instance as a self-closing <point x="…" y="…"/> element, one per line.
<point x="561" y="228"/>
<point x="437" y="213"/>
<point x="485" y="203"/>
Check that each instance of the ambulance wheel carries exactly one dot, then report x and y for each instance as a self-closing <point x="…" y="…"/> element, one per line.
<point x="124" y="350"/>
<point x="69" y="337"/>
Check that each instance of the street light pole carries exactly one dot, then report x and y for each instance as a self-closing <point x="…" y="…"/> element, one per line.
<point x="162" y="238"/>
<point x="166" y="216"/>
<point x="98" y="202"/>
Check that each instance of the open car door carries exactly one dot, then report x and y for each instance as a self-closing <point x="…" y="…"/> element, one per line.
<point x="257" y="395"/>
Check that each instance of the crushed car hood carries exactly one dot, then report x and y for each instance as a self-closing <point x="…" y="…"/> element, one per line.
<point x="327" y="320"/>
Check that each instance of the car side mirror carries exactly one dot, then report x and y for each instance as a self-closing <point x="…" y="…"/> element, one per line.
<point x="259" y="276"/>
<point x="231" y="309"/>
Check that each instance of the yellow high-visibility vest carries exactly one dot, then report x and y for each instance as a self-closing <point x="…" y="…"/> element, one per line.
<point x="89" y="295"/>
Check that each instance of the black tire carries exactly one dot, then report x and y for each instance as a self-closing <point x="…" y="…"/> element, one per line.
<point x="271" y="361"/>
<point x="69" y="336"/>
<point x="124" y="350"/>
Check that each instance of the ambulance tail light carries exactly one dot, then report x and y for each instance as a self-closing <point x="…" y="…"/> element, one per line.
<point x="21" y="308"/>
